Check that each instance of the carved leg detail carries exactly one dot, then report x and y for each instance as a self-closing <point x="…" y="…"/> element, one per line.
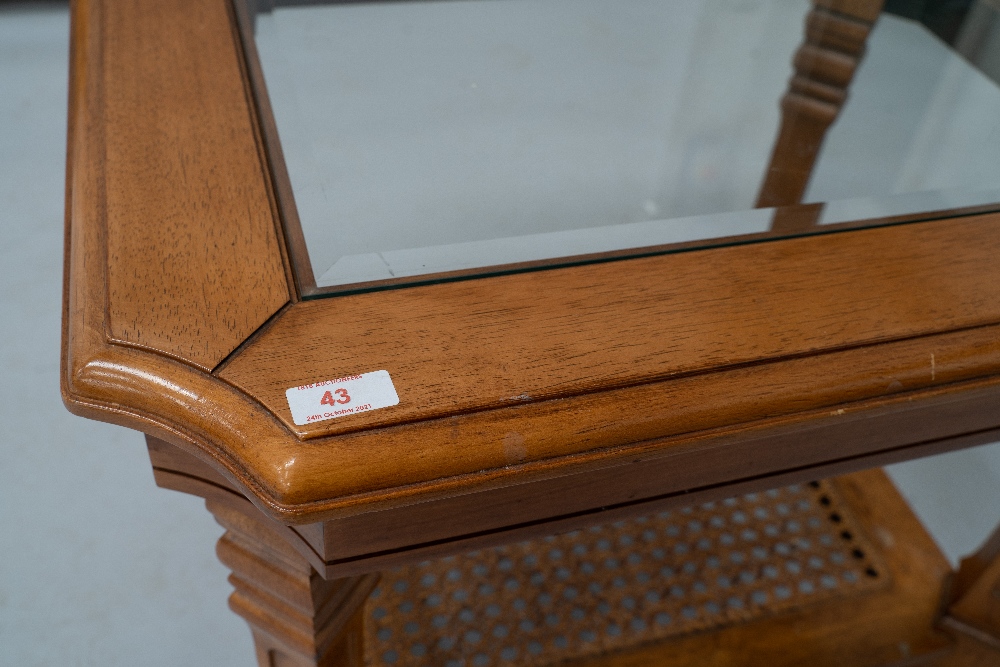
<point x="836" y="32"/>
<point x="297" y="618"/>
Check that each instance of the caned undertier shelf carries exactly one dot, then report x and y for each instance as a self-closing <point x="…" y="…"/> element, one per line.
<point x="832" y="572"/>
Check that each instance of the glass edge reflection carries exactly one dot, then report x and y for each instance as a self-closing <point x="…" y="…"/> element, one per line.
<point x="656" y="251"/>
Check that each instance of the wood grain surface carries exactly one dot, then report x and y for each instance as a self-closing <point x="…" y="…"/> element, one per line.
<point x="891" y="625"/>
<point x="350" y="545"/>
<point x="194" y="259"/>
<point x="529" y="403"/>
<point x="297" y="617"/>
<point x="720" y="364"/>
<point x="460" y="347"/>
<point x="295" y="241"/>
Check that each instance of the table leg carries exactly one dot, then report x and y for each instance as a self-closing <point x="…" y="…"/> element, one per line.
<point x="836" y="32"/>
<point x="975" y="594"/>
<point x="297" y="617"/>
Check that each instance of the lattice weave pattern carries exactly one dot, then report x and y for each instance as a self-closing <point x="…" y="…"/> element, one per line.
<point x="617" y="585"/>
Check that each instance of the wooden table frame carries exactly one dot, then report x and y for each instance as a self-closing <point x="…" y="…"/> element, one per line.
<point x="529" y="402"/>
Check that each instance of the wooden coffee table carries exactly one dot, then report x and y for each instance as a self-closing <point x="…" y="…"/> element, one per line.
<point x="504" y="407"/>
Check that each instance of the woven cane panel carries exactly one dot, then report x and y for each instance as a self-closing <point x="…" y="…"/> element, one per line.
<point x="613" y="586"/>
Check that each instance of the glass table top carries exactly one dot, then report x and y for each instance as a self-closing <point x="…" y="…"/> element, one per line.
<point x="434" y="140"/>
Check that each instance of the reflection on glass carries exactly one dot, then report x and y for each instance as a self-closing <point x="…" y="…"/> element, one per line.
<point x="428" y="137"/>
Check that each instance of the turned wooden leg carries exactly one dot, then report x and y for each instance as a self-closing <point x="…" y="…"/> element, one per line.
<point x="297" y="617"/>
<point x="836" y="32"/>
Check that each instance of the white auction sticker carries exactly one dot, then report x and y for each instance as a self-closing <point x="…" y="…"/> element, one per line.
<point x="344" y="396"/>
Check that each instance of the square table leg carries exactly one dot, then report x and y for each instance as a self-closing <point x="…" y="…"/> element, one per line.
<point x="297" y="617"/>
<point x="974" y="607"/>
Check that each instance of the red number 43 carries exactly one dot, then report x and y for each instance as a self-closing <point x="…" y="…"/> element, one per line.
<point x="328" y="398"/>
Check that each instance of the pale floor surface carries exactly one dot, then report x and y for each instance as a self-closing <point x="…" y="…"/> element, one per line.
<point x="97" y="566"/>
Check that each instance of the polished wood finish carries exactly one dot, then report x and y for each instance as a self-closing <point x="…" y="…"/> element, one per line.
<point x="179" y="471"/>
<point x="285" y="601"/>
<point x="449" y="351"/>
<point x="529" y="403"/>
<point x="194" y="262"/>
<point x="295" y="242"/>
<point x="757" y="392"/>
<point x="297" y="617"/>
<point x="379" y="540"/>
<point x="541" y="378"/>
<point x="836" y="32"/>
